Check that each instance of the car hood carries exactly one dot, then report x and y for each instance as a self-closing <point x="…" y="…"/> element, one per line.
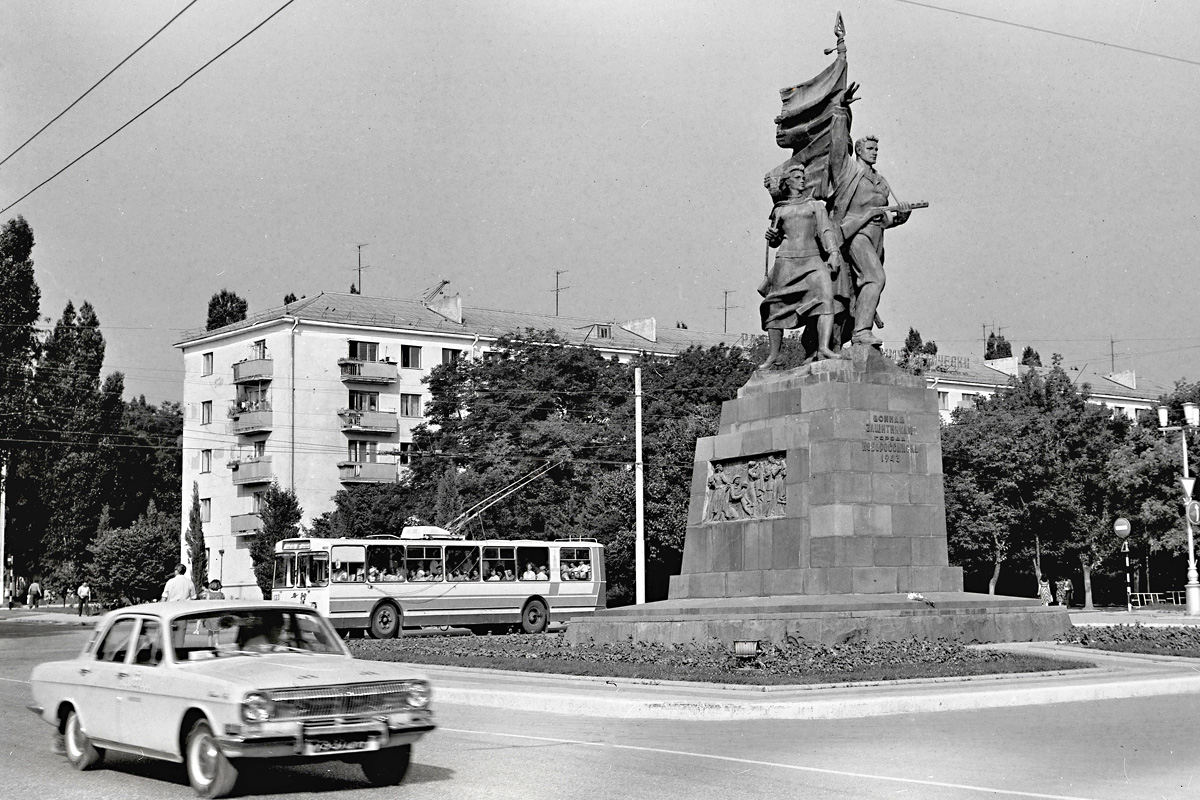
<point x="297" y="670"/>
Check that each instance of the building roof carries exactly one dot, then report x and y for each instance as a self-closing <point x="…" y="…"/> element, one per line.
<point x="966" y="369"/>
<point x="415" y="315"/>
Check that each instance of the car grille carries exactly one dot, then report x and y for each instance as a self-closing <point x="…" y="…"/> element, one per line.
<point x="341" y="701"/>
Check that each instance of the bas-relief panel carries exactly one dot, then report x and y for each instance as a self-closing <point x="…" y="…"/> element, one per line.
<point x="746" y="488"/>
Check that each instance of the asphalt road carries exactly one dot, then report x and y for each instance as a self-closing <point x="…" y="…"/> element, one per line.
<point x="1143" y="748"/>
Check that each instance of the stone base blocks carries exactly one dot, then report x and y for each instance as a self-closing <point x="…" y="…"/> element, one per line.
<point x="816" y="510"/>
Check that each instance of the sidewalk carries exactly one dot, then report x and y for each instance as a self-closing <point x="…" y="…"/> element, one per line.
<point x="1115" y="675"/>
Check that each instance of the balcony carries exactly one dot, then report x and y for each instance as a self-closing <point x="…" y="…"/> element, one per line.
<point x="250" y="416"/>
<point x="245" y="524"/>
<point x="253" y="370"/>
<point x="355" y="472"/>
<point x="368" y="421"/>
<point x="252" y="470"/>
<point x="356" y="370"/>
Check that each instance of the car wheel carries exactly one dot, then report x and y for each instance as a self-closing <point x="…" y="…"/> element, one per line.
<point x="209" y="771"/>
<point x="79" y="748"/>
<point x="387" y="767"/>
<point x="385" y="621"/>
<point x="534" y="618"/>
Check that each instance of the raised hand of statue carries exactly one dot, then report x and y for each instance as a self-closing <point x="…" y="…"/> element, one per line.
<point x="774" y="237"/>
<point x="848" y="95"/>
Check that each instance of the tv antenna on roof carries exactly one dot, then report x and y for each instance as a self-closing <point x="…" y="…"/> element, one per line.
<point x="360" y="266"/>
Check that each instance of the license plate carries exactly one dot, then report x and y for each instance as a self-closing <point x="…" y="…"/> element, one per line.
<point x="322" y="746"/>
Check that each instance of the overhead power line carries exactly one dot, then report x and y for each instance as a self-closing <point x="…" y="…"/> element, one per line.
<point x="97" y="83"/>
<point x="1052" y="33"/>
<point x="178" y="86"/>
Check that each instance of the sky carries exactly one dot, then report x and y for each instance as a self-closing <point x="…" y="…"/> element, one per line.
<point x="491" y="144"/>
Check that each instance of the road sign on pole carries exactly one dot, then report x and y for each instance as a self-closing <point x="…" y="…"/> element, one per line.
<point x="1187" y="484"/>
<point x="1121" y="527"/>
<point x="1193" y="512"/>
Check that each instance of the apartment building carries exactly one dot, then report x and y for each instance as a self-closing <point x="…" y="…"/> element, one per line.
<point x="325" y="392"/>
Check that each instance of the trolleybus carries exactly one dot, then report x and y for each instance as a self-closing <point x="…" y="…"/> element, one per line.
<point x="429" y="577"/>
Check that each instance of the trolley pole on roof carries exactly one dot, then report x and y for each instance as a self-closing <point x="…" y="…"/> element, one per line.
<point x="639" y="547"/>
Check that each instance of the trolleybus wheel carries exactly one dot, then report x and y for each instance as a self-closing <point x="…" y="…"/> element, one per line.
<point x="534" y="617"/>
<point x="385" y="621"/>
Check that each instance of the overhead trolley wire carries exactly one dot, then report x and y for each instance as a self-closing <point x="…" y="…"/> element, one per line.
<point x="170" y="92"/>
<point x="97" y="83"/>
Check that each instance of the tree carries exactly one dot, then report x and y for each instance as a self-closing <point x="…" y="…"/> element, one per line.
<point x="1027" y="474"/>
<point x="289" y="298"/>
<point x="997" y="347"/>
<point x="916" y="355"/>
<point x="20" y="300"/>
<point x="448" y="505"/>
<point x="1030" y="357"/>
<point x="536" y="400"/>
<point x="281" y="516"/>
<point x="132" y="564"/>
<point x="194" y="539"/>
<point x="368" y="509"/>
<point x="225" y="308"/>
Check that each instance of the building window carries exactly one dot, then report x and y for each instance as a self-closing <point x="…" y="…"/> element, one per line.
<point x="410" y="405"/>
<point x="968" y="400"/>
<point x="205" y="509"/>
<point x="206" y="412"/>
<point x="364" y="351"/>
<point x="944" y="401"/>
<point x="364" y="401"/>
<point x="604" y="331"/>
<point x="407" y="450"/>
<point x="260" y="448"/>
<point x="206" y="367"/>
<point x="363" y="452"/>
<point x="257" y="501"/>
<point x="206" y="460"/>
<point x="258" y="350"/>
<point x="410" y="356"/>
<point x="451" y="355"/>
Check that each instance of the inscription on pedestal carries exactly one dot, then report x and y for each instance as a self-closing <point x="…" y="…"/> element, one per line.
<point x="890" y="435"/>
<point x="746" y="488"/>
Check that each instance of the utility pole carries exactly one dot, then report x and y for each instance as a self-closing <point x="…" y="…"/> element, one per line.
<point x="639" y="542"/>
<point x="558" y="288"/>
<point x="725" y="324"/>
<point x="1112" y="356"/>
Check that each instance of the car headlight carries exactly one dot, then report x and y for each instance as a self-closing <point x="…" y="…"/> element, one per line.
<point x="418" y="694"/>
<point x="257" y="707"/>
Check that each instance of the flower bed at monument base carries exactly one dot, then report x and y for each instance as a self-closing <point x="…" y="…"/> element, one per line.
<point x="797" y="663"/>
<point x="1180" y="640"/>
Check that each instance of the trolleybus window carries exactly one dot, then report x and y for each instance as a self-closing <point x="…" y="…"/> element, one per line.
<point x="425" y="562"/>
<point x="534" y="563"/>
<point x="499" y="563"/>
<point x="462" y="563"/>
<point x="575" y="564"/>
<point x="385" y="563"/>
<point x="300" y="568"/>
<point x="349" y="563"/>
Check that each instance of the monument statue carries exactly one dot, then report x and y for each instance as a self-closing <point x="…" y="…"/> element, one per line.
<point x="815" y="123"/>
<point x="808" y="281"/>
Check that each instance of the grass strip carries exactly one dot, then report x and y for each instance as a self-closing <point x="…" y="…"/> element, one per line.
<point x="1178" y="640"/>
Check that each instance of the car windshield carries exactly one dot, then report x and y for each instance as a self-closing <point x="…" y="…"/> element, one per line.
<point x="239" y="632"/>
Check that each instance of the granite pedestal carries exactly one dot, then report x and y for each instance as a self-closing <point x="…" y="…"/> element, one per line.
<point x="818" y="511"/>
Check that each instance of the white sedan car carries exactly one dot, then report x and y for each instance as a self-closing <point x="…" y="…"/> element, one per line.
<point x="215" y="683"/>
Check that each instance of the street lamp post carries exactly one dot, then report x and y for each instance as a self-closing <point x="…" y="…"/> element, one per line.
<point x="1191" y="413"/>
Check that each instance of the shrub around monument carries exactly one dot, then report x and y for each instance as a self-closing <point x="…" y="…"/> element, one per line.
<point x="1179" y="640"/>
<point x="798" y="662"/>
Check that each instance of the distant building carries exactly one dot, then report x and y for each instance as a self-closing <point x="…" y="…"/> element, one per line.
<point x="958" y="380"/>
<point x="325" y="392"/>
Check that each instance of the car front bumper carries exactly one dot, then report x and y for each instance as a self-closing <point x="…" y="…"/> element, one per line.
<point x="327" y="740"/>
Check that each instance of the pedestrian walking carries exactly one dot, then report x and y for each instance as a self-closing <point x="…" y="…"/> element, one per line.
<point x="1044" y="590"/>
<point x="34" y="597"/>
<point x="84" y="592"/>
<point x="179" y="587"/>
<point x="213" y="591"/>
<point x="1062" y="591"/>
